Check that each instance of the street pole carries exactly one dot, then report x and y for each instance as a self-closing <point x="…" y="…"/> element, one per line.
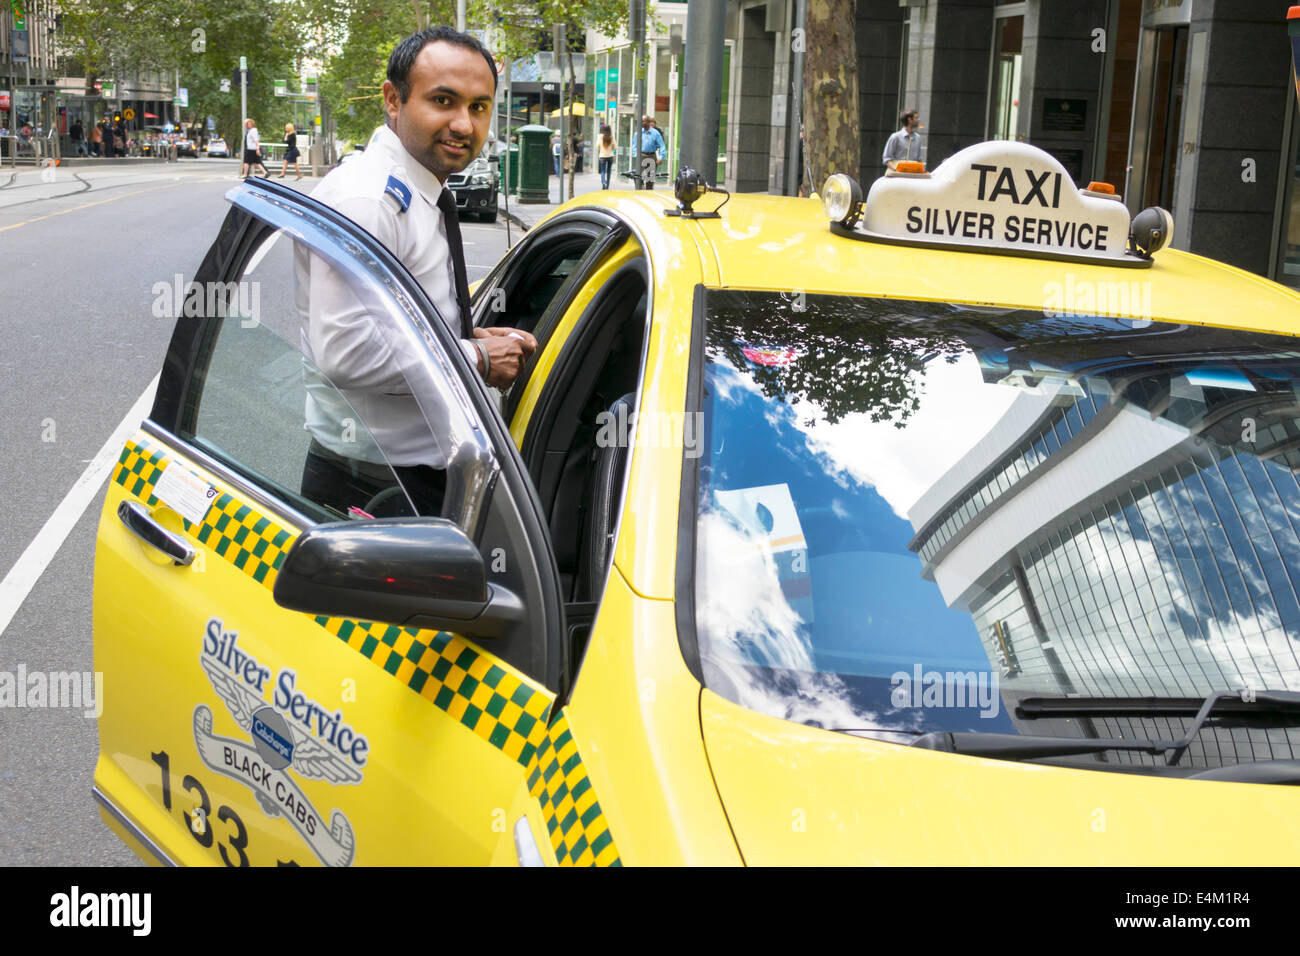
<point x="243" y="105"/>
<point x="505" y="186"/>
<point x="636" y="33"/>
<point x="794" y="113"/>
<point x="564" y="133"/>
<point x="460" y="15"/>
<point x="702" y="91"/>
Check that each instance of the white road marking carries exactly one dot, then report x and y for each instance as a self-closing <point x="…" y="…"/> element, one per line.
<point x="260" y="254"/>
<point x="29" y="567"/>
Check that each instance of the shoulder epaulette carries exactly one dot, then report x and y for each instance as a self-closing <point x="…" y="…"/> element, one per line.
<point x="399" y="191"/>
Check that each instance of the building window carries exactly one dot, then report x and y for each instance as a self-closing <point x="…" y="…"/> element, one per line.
<point x="1004" y="105"/>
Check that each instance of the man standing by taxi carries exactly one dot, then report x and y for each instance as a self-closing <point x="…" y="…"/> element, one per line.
<point x="905" y="143"/>
<point x="439" y="97"/>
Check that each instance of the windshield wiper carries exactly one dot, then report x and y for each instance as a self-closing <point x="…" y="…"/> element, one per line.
<point x="1032" y="708"/>
<point x="1024" y="747"/>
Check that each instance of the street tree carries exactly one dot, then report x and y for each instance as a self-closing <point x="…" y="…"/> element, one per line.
<point x="830" y="90"/>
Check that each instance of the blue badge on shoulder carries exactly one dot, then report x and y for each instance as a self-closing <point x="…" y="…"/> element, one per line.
<point x="399" y="191"/>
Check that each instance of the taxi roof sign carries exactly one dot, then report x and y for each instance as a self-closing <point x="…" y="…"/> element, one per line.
<point x="999" y="197"/>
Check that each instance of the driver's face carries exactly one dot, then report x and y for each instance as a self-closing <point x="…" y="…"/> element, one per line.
<point x="445" y="119"/>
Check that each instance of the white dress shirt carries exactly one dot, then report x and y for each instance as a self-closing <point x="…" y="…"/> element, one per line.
<point x="352" y="342"/>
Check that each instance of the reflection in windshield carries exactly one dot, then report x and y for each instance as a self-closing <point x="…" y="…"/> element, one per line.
<point x="908" y="497"/>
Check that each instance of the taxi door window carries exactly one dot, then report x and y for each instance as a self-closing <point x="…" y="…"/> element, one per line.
<point x="323" y="416"/>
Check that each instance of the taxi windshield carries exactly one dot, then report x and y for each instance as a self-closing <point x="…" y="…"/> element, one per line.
<point x="914" y="515"/>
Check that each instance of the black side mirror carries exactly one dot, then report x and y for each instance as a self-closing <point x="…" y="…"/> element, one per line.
<point x="414" y="572"/>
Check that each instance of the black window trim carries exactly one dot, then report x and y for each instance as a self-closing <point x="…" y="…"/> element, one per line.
<point x="688" y="503"/>
<point x="600" y="219"/>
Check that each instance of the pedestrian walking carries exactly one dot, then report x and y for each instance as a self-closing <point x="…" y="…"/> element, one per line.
<point x="605" y="154"/>
<point x="576" y="152"/>
<point x="556" y="150"/>
<point x="119" y="137"/>
<point x="78" y="135"/>
<point x="652" y="149"/>
<point x="905" y="143"/>
<point x="252" y="150"/>
<point x="291" y="151"/>
<point x="438" y="98"/>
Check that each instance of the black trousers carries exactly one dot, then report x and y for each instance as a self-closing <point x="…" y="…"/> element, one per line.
<point x="342" y="483"/>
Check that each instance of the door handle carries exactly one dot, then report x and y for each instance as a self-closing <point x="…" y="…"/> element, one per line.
<point x="140" y="524"/>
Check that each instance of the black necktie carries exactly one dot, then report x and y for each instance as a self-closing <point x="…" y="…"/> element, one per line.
<point x="447" y="203"/>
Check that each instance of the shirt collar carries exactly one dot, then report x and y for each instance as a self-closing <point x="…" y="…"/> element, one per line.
<point x="426" y="182"/>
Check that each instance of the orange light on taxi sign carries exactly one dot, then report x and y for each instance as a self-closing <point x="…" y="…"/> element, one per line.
<point x="1101" y="188"/>
<point x="910" y="166"/>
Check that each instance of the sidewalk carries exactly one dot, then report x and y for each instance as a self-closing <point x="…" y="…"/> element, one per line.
<point x="527" y="216"/>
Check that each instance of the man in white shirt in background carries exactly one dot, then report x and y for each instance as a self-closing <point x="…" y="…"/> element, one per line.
<point x="905" y="143"/>
<point x="439" y="97"/>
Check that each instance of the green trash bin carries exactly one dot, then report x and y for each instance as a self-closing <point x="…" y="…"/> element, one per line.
<point x="534" y="163"/>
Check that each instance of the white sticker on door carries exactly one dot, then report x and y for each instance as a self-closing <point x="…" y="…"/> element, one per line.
<point x="185" y="493"/>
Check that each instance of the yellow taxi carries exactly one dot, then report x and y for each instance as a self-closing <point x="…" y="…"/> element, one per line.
<point x="956" y="523"/>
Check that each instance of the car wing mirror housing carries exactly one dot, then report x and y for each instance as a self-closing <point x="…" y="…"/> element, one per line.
<point x="413" y="572"/>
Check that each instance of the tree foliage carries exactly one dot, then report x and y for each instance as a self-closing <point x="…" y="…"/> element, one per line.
<point x="202" y="41"/>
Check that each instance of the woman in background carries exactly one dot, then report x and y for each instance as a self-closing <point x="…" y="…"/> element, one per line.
<point x="605" y="151"/>
<point x="291" y="152"/>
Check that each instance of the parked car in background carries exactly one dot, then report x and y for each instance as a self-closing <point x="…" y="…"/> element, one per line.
<point x="217" y="148"/>
<point x="475" y="188"/>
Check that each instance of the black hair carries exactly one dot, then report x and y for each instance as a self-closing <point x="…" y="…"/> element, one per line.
<point x="403" y="56"/>
<point x="903" y="117"/>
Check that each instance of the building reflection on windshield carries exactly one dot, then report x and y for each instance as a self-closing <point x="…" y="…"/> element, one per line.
<point x="1132" y="532"/>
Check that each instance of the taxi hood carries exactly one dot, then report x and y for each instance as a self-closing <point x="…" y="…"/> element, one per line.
<point x="799" y="795"/>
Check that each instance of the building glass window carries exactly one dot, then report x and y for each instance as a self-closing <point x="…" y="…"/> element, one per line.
<point x="1004" y="108"/>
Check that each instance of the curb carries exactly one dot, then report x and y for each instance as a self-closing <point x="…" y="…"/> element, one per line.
<point x="513" y="217"/>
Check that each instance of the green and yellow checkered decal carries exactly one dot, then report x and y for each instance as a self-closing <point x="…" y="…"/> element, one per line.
<point x="482" y="695"/>
<point x="477" y="691"/>
<point x="558" y="781"/>
<point x="138" y="470"/>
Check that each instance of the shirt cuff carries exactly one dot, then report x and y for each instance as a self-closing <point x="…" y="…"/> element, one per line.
<point x="471" y="352"/>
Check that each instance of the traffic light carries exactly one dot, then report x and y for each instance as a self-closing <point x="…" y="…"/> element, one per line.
<point x="234" y="77"/>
